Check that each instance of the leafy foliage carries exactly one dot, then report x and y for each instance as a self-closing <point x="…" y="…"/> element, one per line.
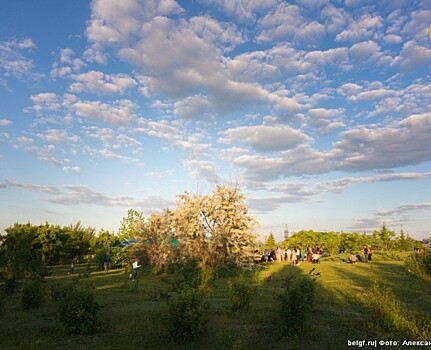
<point x="297" y="302"/>
<point x="32" y="295"/>
<point x="241" y="292"/>
<point x="419" y="264"/>
<point x="76" y="308"/>
<point x="188" y="314"/>
<point x="389" y="314"/>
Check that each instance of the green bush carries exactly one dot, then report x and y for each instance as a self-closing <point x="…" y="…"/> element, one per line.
<point x="76" y="307"/>
<point x="240" y="293"/>
<point x="10" y="285"/>
<point x="390" y="314"/>
<point x="419" y="264"/>
<point x="2" y="301"/>
<point x="297" y="302"/>
<point x="188" y="314"/>
<point x="32" y="295"/>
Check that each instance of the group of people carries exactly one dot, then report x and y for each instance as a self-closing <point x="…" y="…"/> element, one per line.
<point x="294" y="255"/>
<point x="368" y="255"/>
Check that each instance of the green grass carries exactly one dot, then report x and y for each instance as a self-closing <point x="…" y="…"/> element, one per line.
<point x="136" y="317"/>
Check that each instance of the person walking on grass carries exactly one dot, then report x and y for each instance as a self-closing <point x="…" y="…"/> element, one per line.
<point x="106" y="262"/>
<point x="135" y="267"/>
<point x="72" y="265"/>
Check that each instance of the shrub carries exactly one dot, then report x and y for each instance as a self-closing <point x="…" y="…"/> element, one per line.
<point x="419" y="264"/>
<point x="187" y="314"/>
<point x="2" y="301"/>
<point x="32" y="295"/>
<point x="297" y="302"/>
<point x="10" y="285"/>
<point x="240" y="293"/>
<point x="390" y="314"/>
<point x="77" y="308"/>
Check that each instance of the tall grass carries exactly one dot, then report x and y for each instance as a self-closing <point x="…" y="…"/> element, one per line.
<point x="390" y="314"/>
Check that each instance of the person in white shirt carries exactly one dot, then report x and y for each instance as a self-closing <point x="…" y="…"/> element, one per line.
<point x="135" y="267"/>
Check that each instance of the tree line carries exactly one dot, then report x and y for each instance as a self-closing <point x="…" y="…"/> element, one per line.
<point x="334" y="242"/>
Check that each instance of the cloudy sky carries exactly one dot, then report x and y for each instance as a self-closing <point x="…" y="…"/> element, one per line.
<point x="320" y="110"/>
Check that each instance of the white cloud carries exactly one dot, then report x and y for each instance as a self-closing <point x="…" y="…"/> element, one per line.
<point x="413" y="57"/>
<point x="359" y="149"/>
<point x="364" y="50"/>
<point x="202" y="169"/>
<point x="101" y="83"/>
<point x="193" y="107"/>
<point x="45" y="101"/>
<point x="338" y="56"/>
<point x="286" y="22"/>
<point x="245" y="10"/>
<point x="362" y="28"/>
<point x="392" y="39"/>
<point x="66" y="64"/>
<point x="224" y="35"/>
<point x="265" y="138"/>
<point x="325" y="120"/>
<point x="58" y="136"/>
<point x="14" y="63"/>
<point x="75" y="169"/>
<point x="5" y="122"/>
<point x="118" y="113"/>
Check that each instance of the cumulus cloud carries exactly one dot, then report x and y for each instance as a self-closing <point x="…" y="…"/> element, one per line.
<point x="265" y="138"/>
<point x="202" y="169"/>
<point x="66" y="64"/>
<point x="413" y="57"/>
<point x="101" y="83"/>
<point x="58" y="136"/>
<point x="5" y="122"/>
<point x="361" y="28"/>
<point x="359" y="149"/>
<point x="364" y="50"/>
<point x="13" y="61"/>
<point x="286" y="22"/>
<point x="118" y="113"/>
<point x="325" y="120"/>
<point x="81" y="195"/>
<point x="245" y="10"/>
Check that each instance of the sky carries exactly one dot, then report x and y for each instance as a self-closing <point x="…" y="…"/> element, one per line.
<point x="319" y="110"/>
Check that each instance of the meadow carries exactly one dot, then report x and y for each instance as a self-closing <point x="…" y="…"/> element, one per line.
<point x="135" y="316"/>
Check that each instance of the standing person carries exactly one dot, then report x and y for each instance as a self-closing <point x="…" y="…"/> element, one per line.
<point x="278" y="254"/>
<point x="294" y="257"/>
<point x="266" y="255"/>
<point x="72" y="265"/>
<point x="365" y="253"/>
<point x="135" y="267"/>
<point x="370" y="253"/>
<point x="288" y="254"/>
<point x="106" y="262"/>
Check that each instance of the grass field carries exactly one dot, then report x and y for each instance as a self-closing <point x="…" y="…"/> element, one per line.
<point x="135" y="318"/>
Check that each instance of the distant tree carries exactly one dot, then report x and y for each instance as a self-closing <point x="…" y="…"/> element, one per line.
<point x="104" y="240"/>
<point x="331" y="242"/>
<point x="353" y="241"/>
<point x="304" y="238"/>
<point x="385" y="236"/>
<point x="270" y="242"/>
<point x="133" y="225"/>
<point x="402" y="243"/>
<point x="78" y="241"/>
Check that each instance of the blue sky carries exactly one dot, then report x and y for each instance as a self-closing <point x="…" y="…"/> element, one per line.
<point x="319" y="110"/>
